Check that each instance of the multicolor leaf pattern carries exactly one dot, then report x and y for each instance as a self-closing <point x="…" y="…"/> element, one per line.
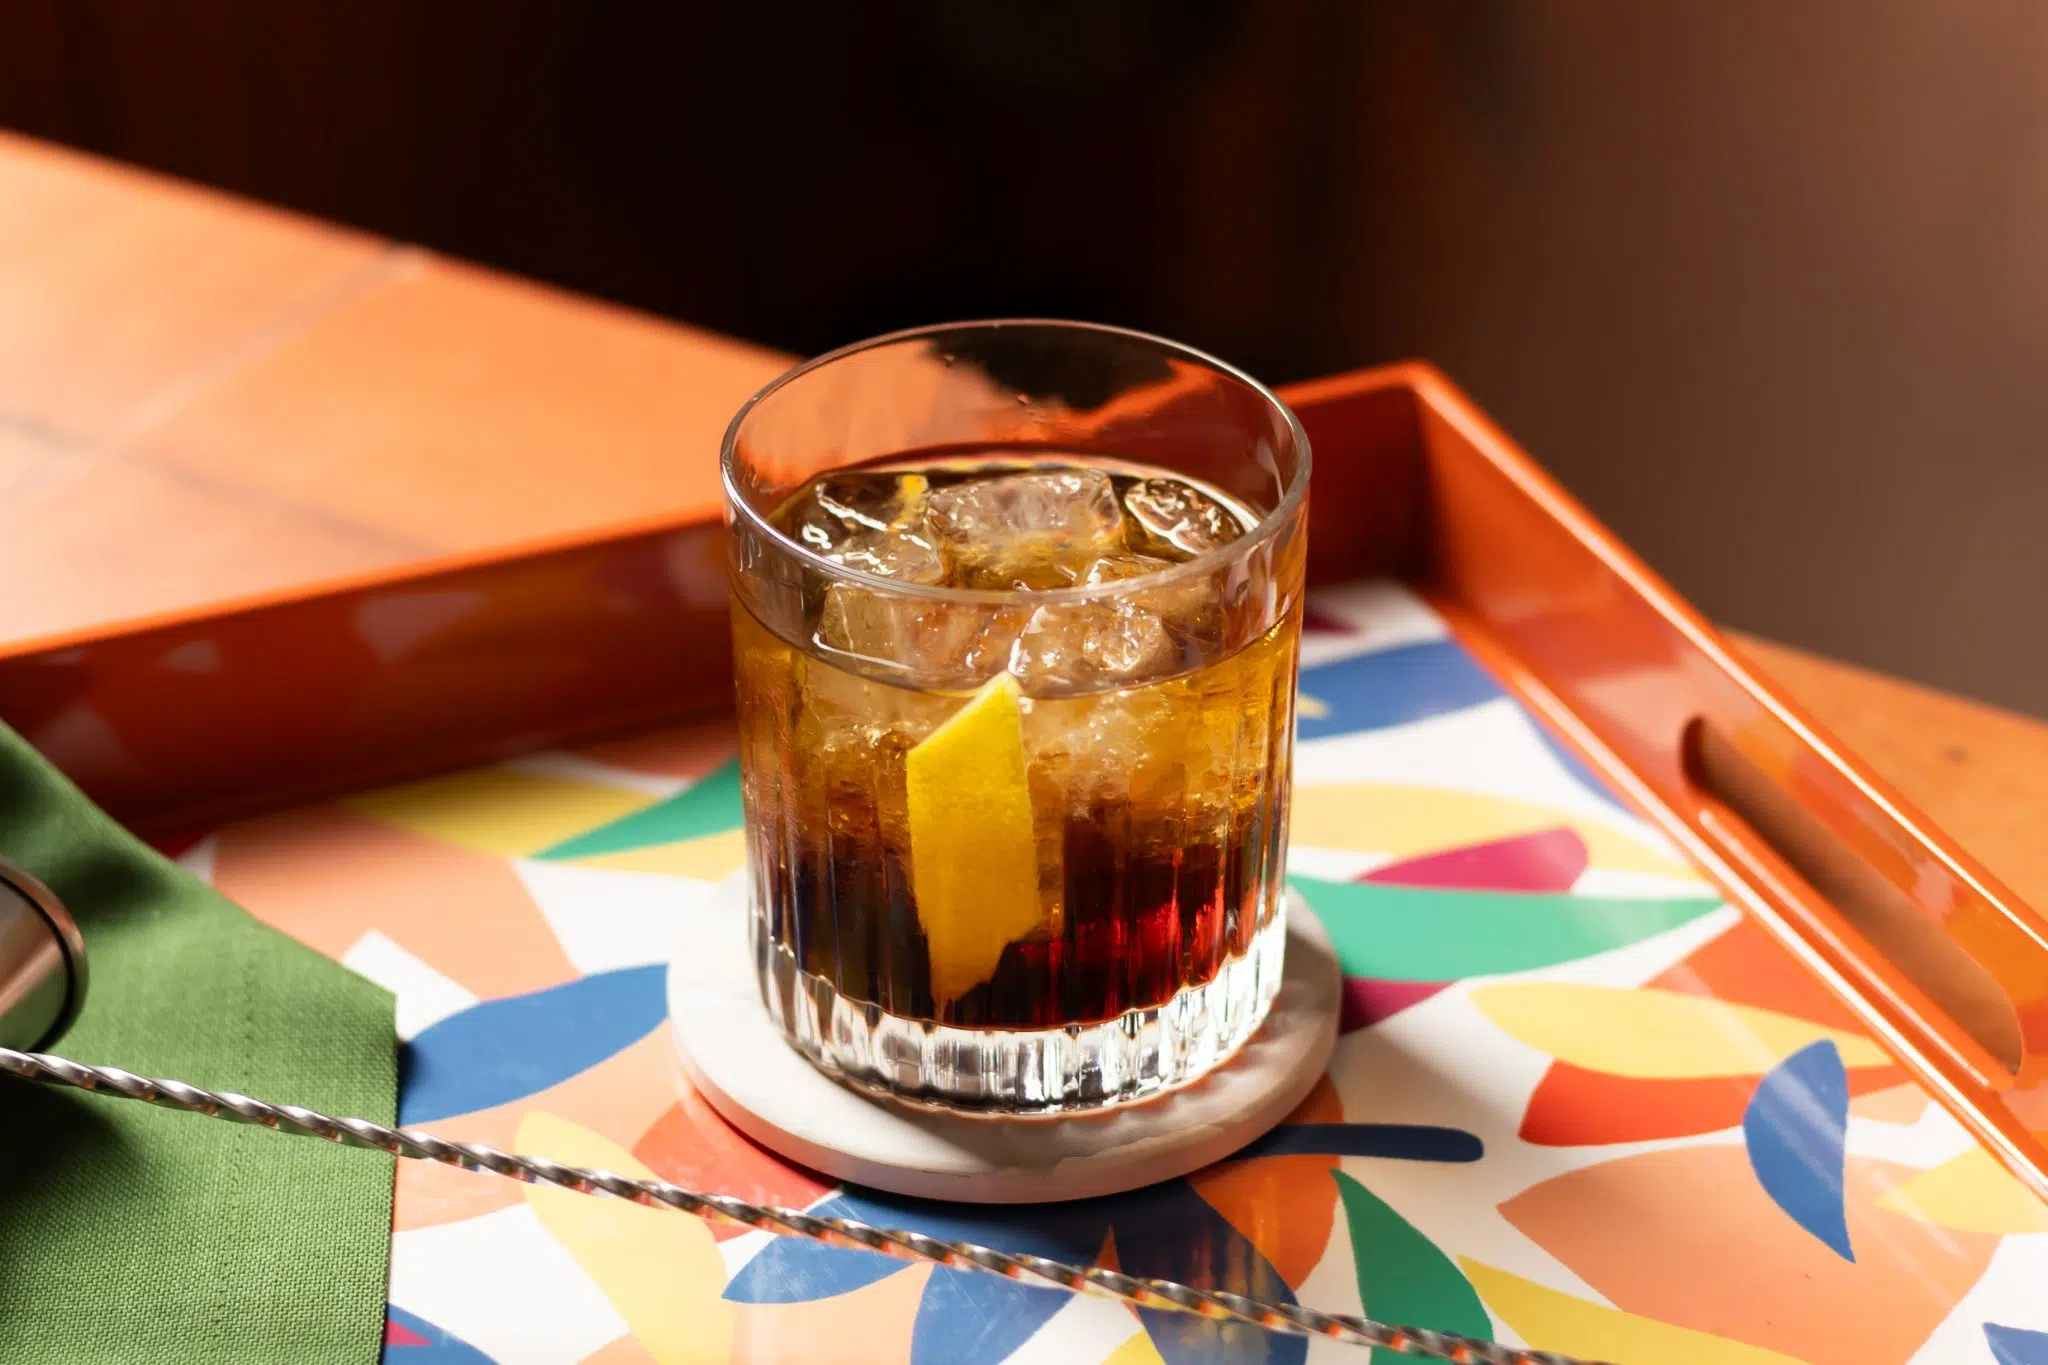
<point x="1656" y="1035"/>
<point x="1688" y="1236"/>
<point x="1528" y="967"/>
<point x="503" y="1049"/>
<point x="1395" y="687"/>
<point x="1179" y="1230"/>
<point x="1796" y="1130"/>
<point x="1169" y="1230"/>
<point x="709" y="806"/>
<point x="1402" y="1277"/>
<point x="1575" y="1326"/>
<point x="1406" y="933"/>
<point x="662" y="1274"/>
<point x="1549" y="860"/>
<point x="1577" y="1104"/>
<point x="2016" y="1345"/>
<point x="1415" y="818"/>
<point x="411" y="1340"/>
<point x="1969" y="1192"/>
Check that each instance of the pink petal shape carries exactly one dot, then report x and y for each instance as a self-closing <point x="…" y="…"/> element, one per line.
<point x="398" y="1334"/>
<point x="1548" y="860"/>
<point x="1368" y="999"/>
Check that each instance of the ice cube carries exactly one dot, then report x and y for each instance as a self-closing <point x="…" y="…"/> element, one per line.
<point x="1116" y="568"/>
<point x="1074" y="646"/>
<point x="1027" y="529"/>
<point x="1174" y="519"/>
<point x="890" y="554"/>
<point x="915" y="642"/>
<point x="1190" y="606"/>
<point x="840" y="507"/>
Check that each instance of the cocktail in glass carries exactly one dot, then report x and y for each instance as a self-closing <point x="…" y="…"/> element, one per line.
<point x="1016" y="611"/>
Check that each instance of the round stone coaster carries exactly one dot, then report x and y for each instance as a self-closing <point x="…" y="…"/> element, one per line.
<point x="737" y="1058"/>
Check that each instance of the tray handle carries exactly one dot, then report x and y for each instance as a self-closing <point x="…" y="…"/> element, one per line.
<point x="1963" y="979"/>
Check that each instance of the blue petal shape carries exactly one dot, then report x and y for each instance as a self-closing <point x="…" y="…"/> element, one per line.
<point x="1795" y="1127"/>
<point x="1399" y="1141"/>
<point x="966" y="1315"/>
<point x="1167" y="1230"/>
<point x="441" y="1346"/>
<point x="704" y="807"/>
<point x="1394" y="687"/>
<point x="792" y="1271"/>
<point x="789" y="1270"/>
<point x="1170" y="1232"/>
<point x="2016" y="1345"/>
<point x="504" y="1050"/>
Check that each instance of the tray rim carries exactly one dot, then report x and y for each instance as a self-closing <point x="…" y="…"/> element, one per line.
<point x="1432" y="395"/>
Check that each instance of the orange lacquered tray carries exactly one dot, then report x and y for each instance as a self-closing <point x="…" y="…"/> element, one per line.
<point x="182" y="722"/>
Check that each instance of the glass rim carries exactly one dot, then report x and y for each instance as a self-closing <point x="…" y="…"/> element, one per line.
<point x="1209" y="561"/>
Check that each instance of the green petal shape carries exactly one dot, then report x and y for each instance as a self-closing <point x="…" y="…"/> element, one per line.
<point x="704" y="807"/>
<point x="1409" y="933"/>
<point x="1403" y="1279"/>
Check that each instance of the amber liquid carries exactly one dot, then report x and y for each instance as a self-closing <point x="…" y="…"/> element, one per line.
<point x="1157" y="808"/>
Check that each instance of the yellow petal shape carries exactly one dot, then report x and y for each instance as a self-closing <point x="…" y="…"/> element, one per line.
<point x="1553" y="1321"/>
<point x="499" y="811"/>
<point x="1970" y="1193"/>
<point x="1136" y="1350"/>
<point x="708" y="858"/>
<point x="661" y="1270"/>
<point x="1655" y="1034"/>
<point x="1401" y="821"/>
<point x="973" y="860"/>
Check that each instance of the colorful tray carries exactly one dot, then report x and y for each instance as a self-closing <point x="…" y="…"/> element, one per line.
<point x="1581" y="1101"/>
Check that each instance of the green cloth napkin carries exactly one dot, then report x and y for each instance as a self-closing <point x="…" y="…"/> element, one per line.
<point x="135" y="1234"/>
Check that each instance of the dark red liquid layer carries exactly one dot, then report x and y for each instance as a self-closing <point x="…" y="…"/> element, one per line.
<point x="1142" y="921"/>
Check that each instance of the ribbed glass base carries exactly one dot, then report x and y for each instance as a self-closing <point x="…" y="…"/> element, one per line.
<point x="1025" y="1071"/>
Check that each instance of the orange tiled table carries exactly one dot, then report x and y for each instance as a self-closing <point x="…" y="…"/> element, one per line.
<point x="202" y="400"/>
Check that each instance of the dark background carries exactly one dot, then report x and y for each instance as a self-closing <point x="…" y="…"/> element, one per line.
<point x="1767" y="285"/>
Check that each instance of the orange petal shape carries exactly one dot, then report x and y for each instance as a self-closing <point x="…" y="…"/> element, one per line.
<point x="1574" y="1107"/>
<point x="1554" y="1321"/>
<point x="1746" y="966"/>
<point x="1971" y="1193"/>
<point x="1285" y="1206"/>
<point x="625" y="1350"/>
<point x="662" y="1273"/>
<point x="1656" y="1035"/>
<point x="692" y="1146"/>
<point x="617" y="1099"/>
<point x="868" y="1326"/>
<point x="1689" y="1237"/>
<point x="326" y="875"/>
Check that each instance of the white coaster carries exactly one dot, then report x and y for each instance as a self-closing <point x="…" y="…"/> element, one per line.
<point x="737" y="1058"/>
